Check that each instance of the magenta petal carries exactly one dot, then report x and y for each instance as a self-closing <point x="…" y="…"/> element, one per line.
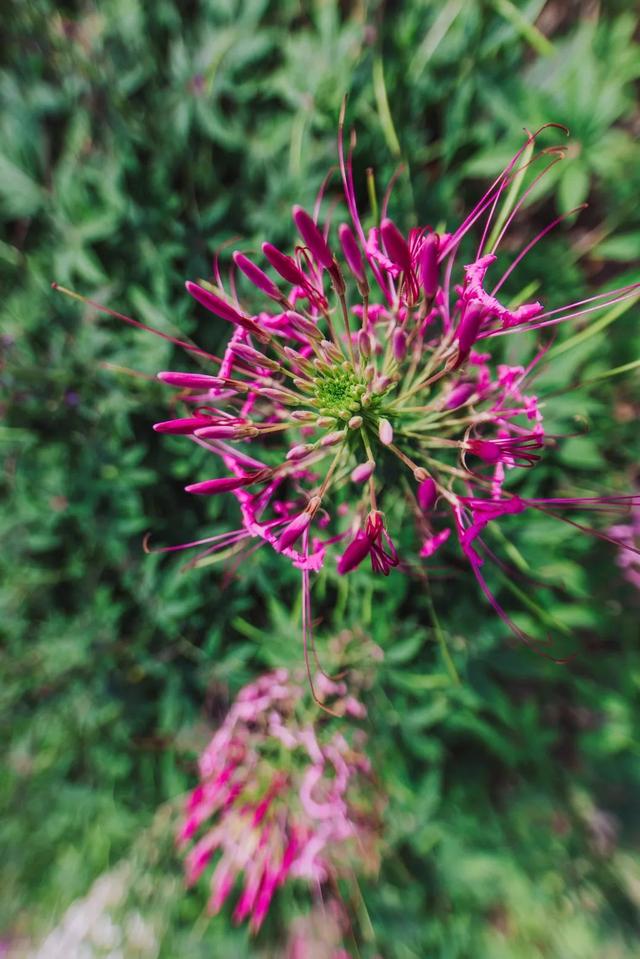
<point x="399" y="345"/>
<point x="485" y="450"/>
<point x="429" y="264"/>
<point x="224" y="485"/>
<point x="215" y="304"/>
<point x="293" y="531"/>
<point x="257" y="276"/>
<point x="351" y="251"/>
<point x="469" y="327"/>
<point x="395" y="245"/>
<point x="285" y="265"/>
<point x="427" y="494"/>
<point x="181" y="427"/>
<point x="355" y="552"/>
<point x="190" y="380"/>
<point x="313" y="237"/>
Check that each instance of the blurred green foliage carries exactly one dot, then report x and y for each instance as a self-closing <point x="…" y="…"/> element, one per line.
<point x="135" y="139"/>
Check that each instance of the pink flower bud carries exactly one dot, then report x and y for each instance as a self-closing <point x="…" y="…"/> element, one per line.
<point x="303" y="416"/>
<point x="332" y="438"/>
<point x="278" y="395"/>
<point x="297" y="452"/>
<point x="215" y="304"/>
<point x="469" y="327"/>
<point x="194" y="381"/>
<point x="248" y="353"/>
<point x="486" y="450"/>
<point x="395" y="245"/>
<point x="364" y="343"/>
<point x="313" y="237"/>
<point x="285" y="265"/>
<point x="293" y="530"/>
<point x="427" y="495"/>
<point x="217" y="432"/>
<point x="460" y="394"/>
<point x="355" y="552"/>
<point x="302" y="325"/>
<point x="381" y="384"/>
<point x="399" y="344"/>
<point x="224" y="485"/>
<point x="385" y="432"/>
<point x="429" y="264"/>
<point x="184" y="426"/>
<point x="351" y="251"/>
<point x="363" y="471"/>
<point x="257" y="276"/>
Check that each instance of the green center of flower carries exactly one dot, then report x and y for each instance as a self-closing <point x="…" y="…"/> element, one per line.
<point x="338" y="392"/>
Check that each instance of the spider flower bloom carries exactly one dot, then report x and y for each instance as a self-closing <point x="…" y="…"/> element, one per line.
<point x="373" y="371"/>
<point x="279" y="799"/>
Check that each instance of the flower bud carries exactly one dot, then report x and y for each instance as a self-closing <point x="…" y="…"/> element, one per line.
<point x="217" y="432"/>
<point x="355" y="552"/>
<point x="485" y="450"/>
<point x="395" y="245"/>
<point x="429" y="264"/>
<point x="365" y="345"/>
<point x="313" y="238"/>
<point x="257" y="276"/>
<point x="385" y="432"/>
<point x="297" y="452"/>
<point x="293" y="530"/>
<point x="215" y="304"/>
<point x="469" y="327"/>
<point x="302" y="325"/>
<point x="183" y="426"/>
<point x="332" y="438"/>
<point x="363" y="471"/>
<point x="351" y="252"/>
<point x="399" y="345"/>
<point x="285" y="265"/>
<point x="224" y="485"/>
<point x="427" y="494"/>
<point x="192" y="381"/>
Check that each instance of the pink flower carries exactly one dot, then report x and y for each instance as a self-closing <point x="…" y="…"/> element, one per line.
<point x="275" y="822"/>
<point x="362" y="375"/>
<point x="373" y="541"/>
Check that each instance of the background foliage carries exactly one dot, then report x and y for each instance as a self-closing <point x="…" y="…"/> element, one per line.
<point x="135" y="140"/>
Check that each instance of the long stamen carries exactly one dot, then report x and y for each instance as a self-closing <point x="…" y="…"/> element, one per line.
<point x="191" y="347"/>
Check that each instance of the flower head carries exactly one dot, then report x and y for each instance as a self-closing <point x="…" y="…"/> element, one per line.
<point x="279" y="799"/>
<point x="372" y="372"/>
<point x="375" y="377"/>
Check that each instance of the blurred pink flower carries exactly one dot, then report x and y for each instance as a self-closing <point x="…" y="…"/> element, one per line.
<point x="279" y="799"/>
<point x="373" y="374"/>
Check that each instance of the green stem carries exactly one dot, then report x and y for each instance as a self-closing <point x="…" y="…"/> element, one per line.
<point x="444" y="649"/>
